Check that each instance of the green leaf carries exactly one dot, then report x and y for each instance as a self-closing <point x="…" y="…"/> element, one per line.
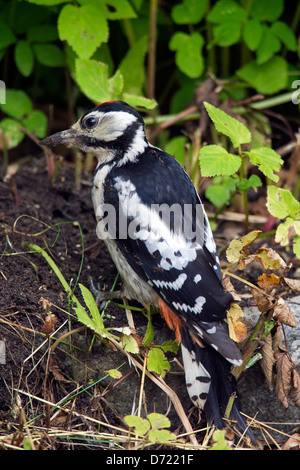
<point x="220" y="190"/>
<point x="49" y="55"/>
<point x="264" y="10"/>
<point x="119" y="9"/>
<point x="281" y="203"/>
<point x="24" y="58"/>
<point x="17" y="105"/>
<point x="92" y="77"/>
<point x="176" y="148"/>
<point x="129" y="343"/>
<point x="84" y="28"/>
<point x="283" y="231"/>
<point x="36" y="122"/>
<point x="139" y="101"/>
<point x="252" y="34"/>
<point x="268" y="46"/>
<point x="296" y="246"/>
<point x="225" y="11"/>
<point x="170" y="346"/>
<point x="188" y="55"/>
<point x="10" y="130"/>
<point x="189" y="11"/>
<point x="267" y="161"/>
<point x="215" y="160"/>
<point x="149" y="335"/>
<point x="253" y="182"/>
<point x="157" y="362"/>
<point x="267" y="78"/>
<point x="283" y="32"/>
<point x="6" y="35"/>
<point x="132" y="67"/>
<point x="48" y="2"/>
<point x="142" y="426"/>
<point x="219" y="441"/>
<point x="227" y="34"/>
<point x="231" y="127"/>
<point x="90" y="302"/>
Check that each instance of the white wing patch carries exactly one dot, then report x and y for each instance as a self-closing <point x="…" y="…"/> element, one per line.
<point x="197" y="308"/>
<point x="147" y="226"/>
<point x="176" y="285"/>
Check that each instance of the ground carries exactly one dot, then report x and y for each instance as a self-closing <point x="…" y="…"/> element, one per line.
<point x="52" y="213"/>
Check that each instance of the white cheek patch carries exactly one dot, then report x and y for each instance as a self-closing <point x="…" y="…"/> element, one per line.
<point x="112" y="125"/>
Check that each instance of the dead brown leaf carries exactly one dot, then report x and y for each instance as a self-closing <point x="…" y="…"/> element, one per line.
<point x="293" y="284"/>
<point x="268" y="282"/>
<point x="49" y="325"/>
<point x="293" y="442"/>
<point x="239" y="248"/>
<point x="283" y="313"/>
<point x="53" y="367"/>
<point x="284" y="382"/>
<point x="265" y="256"/>
<point x="263" y="303"/>
<point x="268" y="360"/>
<point x="228" y="286"/>
<point x="236" y="323"/>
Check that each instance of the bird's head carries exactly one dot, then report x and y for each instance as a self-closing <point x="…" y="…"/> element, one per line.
<point x="112" y="130"/>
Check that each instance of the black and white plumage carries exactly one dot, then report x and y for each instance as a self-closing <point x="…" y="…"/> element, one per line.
<point x="161" y="263"/>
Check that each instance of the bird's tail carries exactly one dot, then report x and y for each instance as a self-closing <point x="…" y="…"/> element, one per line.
<point x="210" y="383"/>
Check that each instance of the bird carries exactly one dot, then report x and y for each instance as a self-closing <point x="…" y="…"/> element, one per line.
<point x="157" y="233"/>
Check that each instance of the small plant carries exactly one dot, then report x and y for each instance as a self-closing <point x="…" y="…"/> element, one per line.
<point x="216" y="161"/>
<point x="154" y="428"/>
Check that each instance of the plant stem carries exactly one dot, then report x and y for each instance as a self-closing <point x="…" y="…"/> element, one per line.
<point x="152" y="50"/>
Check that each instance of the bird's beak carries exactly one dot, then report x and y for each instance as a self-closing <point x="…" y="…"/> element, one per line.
<point x="67" y="137"/>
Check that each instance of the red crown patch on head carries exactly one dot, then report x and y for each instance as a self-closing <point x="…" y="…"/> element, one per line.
<point x="106" y="102"/>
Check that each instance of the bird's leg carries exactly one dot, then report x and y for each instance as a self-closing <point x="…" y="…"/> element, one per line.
<point x="103" y="296"/>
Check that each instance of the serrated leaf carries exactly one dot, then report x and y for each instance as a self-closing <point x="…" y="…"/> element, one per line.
<point x="142" y="426"/>
<point x="92" y="77"/>
<point x="189" y="11"/>
<point x="157" y="362"/>
<point x="231" y="127"/>
<point x="84" y="28"/>
<point x="10" y="131"/>
<point x="252" y="182"/>
<point x="215" y="160"/>
<point x="267" y="160"/>
<point x="170" y="346"/>
<point x="139" y="101"/>
<point x="281" y="203"/>
<point x="188" y="56"/>
<point x="119" y="10"/>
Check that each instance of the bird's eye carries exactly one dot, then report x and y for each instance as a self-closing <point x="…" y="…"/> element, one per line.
<point x="90" y="122"/>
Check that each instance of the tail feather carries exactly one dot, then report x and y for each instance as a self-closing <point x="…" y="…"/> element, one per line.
<point x="210" y="383"/>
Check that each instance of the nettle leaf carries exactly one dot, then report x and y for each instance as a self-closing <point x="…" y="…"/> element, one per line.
<point x="92" y="77"/>
<point x="252" y="34"/>
<point x="157" y="362"/>
<point x="188" y="56"/>
<point x="215" y="160"/>
<point x="231" y="127"/>
<point x="267" y="160"/>
<point x="281" y="203"/>
<point x="267" y="78"/>
<point x="189" y="11"/>
<point x="84" y="28"/>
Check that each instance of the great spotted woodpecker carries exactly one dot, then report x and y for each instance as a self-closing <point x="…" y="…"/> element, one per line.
<point x="158" y="235"/>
